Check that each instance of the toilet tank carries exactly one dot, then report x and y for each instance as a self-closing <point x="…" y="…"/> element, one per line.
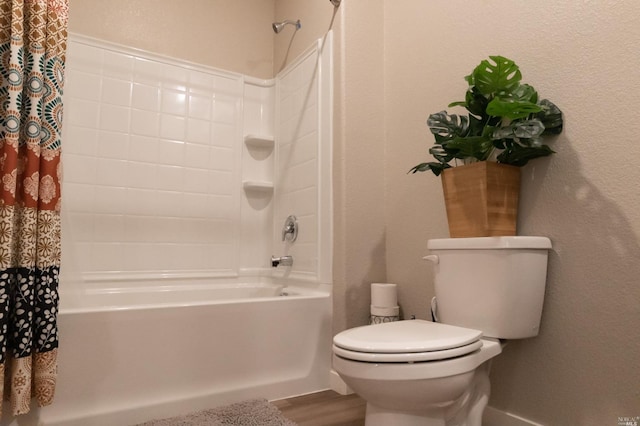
<point x="493" y="284"/>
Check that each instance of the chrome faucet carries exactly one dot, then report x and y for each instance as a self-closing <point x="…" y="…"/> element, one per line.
<point x="290" y="229"/>
<point x="283" y="260"/>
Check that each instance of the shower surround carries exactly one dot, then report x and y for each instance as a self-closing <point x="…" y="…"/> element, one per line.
<point x="177" y="180"/>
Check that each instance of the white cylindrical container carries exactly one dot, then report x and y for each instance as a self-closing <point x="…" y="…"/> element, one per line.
<point x="385" y="312"/>
<point x="384" y="295"/>
<point x="384" y="303"/>
<point x="380" y="315"/>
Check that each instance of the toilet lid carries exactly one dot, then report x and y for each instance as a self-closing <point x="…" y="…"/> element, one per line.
<point x="403" y="337"/>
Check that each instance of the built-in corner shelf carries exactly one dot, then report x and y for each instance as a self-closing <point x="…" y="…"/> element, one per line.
<point x="257" y="185"/>
<point x="259" y="142"/>
<point x="258" y="166"/>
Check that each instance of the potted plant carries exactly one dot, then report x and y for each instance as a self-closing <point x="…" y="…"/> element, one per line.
<point x="502" y="131"/>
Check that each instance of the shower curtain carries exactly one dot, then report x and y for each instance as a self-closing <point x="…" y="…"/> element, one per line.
<point x="32" y="48"/>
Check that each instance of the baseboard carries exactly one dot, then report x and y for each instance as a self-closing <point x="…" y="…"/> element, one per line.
<point x="494" y="417"/>
<point x="337" y="384"/>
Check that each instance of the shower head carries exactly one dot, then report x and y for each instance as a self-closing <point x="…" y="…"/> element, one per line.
<point x="278" y="26"/>
<point x="335" y="3"/>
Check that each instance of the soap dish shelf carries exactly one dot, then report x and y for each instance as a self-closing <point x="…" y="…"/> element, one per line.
<point x="259" y="142"/>
<point x="257" y="186"/>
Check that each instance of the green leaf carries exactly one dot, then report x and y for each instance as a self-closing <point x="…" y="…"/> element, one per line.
<point x="436" y="168"/>
<point x="517" y="155"/>
<point x="527" y="93"/>
<point x="478" y="147"/>
<point x="477" y="127"/>
<point x="511" y="108"/>
<point x="476" y="102"/>
<point x="500" y="75"/>
<point x="523" y="129"/>
<point x="447" y="126"/>
<point x="499" y="143"/>
<point x="443" y="153"/>
<point x="551" y="116"/>
<point x="528" y="129"/>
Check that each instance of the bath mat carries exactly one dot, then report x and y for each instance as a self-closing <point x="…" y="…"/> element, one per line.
<point x="254" y="412"/>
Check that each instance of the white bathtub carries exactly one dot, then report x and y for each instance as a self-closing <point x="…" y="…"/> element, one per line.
<point x="129" y="356"/>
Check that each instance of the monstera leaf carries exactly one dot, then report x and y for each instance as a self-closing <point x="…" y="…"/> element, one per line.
<point x="517" y="104"/>
<point x="525" y="129"/>
<point x="475" y="102"/>
<point x="436" y="168"/>
<point x="551" y="116"/>
<point x="528" y="129"/>
<point x="478" y="147"/>
<point x="511" y="108"/>
<point x="500" y="75"/>
<point x="443" y="153"/>
<point x="517" y="155"/>
<point x="446" y="127"/>
<point x="524" y="92"/>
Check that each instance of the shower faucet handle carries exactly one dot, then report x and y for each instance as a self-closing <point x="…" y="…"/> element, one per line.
<point x="290" y="229"/>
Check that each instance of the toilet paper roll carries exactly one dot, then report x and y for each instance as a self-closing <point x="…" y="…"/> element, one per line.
<point x="384" y="295"/>
<point x="393" y="311"/>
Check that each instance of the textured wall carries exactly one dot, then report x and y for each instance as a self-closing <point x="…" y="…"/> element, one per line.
<point x="230" y="35"/>
<point x="583" y="367"/>
<point x="316" y="18"/>
<point x="359" y="201"/>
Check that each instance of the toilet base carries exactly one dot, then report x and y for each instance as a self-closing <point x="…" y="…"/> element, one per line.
<point x="465" y="411"/>
<point x="382" y="417"/>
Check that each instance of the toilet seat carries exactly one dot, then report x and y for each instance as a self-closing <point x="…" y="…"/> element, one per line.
<point x="406" y="341"/>
<point x="407" y="357"/>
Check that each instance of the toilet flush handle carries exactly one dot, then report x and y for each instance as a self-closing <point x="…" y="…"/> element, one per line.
<point x="434" y="306"/>
<point x="434" y="310"/>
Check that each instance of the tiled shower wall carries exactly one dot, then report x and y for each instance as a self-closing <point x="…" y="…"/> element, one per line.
<point x="154" y="163"/>
<point x="303" y="156"/>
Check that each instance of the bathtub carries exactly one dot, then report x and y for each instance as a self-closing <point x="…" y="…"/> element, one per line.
<point x="128" y="356"/>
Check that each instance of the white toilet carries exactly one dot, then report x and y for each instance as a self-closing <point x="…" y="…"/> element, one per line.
<point x="423" y="373"/>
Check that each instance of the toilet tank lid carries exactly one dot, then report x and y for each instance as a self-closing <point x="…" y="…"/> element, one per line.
<point x="485" y="243"/>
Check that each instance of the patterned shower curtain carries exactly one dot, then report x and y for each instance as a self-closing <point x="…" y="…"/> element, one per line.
<point x="32" y="48"/>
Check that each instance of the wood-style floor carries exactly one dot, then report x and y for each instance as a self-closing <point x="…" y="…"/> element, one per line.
<point x="326" y="408"/>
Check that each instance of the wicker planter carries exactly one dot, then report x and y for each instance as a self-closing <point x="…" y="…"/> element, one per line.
<point x="481" y="199"/>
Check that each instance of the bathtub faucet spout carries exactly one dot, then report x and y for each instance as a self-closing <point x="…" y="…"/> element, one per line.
<point x="283" y="260"/>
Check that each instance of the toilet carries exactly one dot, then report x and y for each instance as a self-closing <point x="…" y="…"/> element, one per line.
<point x="424" y="373"/>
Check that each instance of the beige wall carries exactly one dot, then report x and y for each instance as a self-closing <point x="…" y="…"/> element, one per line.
<point x="230" y="35"/>
<point x="583" y="368"/>
<point x="316" y="18"/>
<point x="359" y="172"/>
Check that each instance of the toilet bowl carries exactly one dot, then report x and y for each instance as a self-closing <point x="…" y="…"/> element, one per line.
<point x="416" y="373"/>
<point x="423" y="373"/>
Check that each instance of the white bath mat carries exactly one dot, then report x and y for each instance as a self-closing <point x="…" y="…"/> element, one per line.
<point x="254" y="412"/>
